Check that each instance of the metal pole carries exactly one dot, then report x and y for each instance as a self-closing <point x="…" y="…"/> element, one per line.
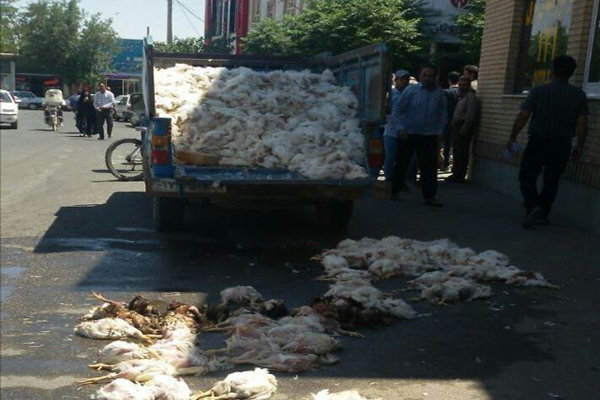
<point x="170" y="21"/>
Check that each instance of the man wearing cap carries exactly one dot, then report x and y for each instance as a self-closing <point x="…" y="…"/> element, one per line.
<point x="392" y="166"/>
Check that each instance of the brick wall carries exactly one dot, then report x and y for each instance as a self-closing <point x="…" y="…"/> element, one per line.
<point x="499" y="54"/>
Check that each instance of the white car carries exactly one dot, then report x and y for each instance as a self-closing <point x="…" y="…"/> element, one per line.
<point x="122" y="105"/>
<point x="9" y="111"/>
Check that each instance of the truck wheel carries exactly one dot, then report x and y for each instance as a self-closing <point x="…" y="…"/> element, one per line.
<point x="168" y="214"/>
<point x="14" y="125"/>
<point x="335" y="214"/>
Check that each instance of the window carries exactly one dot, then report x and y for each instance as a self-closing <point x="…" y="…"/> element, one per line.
<point x="592" y="71"/>
<point x="545" y="35"/>
<point x="270" y="8"/>
<point x="218" y="18"/>
<point x="255" y="10"/>
<point x="231" y="21"/>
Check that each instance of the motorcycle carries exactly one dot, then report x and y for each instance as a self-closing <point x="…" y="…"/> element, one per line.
<point x="53" y="118"/>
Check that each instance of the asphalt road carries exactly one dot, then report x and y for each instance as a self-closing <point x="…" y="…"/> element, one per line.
<point x="67" y="228"/>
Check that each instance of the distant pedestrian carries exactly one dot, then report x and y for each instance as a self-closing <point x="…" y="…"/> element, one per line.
<point x="391" y="167"/>
<point x="420" y="117"/>
<point x="104" y="102"/>
<point x="86" y="113"/>
<point x="451" y="100"/>
<point x="472" y="72"/>
<point x="463" y="130"/>
<point x="558" y="111"/>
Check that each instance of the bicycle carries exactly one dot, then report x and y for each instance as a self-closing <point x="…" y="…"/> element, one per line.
<point x="124" y="158"/>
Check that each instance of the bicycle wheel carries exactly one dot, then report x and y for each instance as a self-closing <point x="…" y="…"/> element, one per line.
<point x="124" y="159"/>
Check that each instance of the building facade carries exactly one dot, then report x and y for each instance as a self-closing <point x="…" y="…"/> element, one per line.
<point x="234" y="18"/>
<point x="520" y="39"/>
<point x="7" y="71"/>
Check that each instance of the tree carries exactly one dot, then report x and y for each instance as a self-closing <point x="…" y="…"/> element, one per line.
<point x="96" y="48"/>
<point x="8" y="27"/>
<point x="189" y="45"/>
<point x="341" y="25"/>
<point x="57" y="38"/>
<point x="470" y="26"/>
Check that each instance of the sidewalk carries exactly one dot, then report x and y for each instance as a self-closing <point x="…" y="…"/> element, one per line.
<point x="543" y="342"/>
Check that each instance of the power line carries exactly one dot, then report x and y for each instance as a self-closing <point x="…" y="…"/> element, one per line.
<point x="187" y="18"/>
<point x="189" y="10"/>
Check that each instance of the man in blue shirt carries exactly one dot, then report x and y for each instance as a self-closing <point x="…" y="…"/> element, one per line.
<point x="391" y="166"/>
<point x="420" y="117"/>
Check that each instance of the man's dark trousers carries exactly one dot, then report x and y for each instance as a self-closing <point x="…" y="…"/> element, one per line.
<point x="461" y="147"/>
<point x="426" y="148"/>
<point x="550" y="155"/>
<point x="105" y="115"/>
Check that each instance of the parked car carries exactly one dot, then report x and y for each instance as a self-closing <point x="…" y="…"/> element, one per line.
<point x="9" y="111"/>
<point x="138" y="110"/>
<point x="122" y="106"/>
<point x="28" y="99"/>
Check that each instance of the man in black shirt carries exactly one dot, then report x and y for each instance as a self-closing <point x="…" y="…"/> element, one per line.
<point x="558" y="110"/>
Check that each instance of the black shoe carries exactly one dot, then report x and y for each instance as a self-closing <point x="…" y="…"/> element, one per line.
<point x="100" y="138"/>
<point x="432" y="203"/>
<point x="532" y="217"/>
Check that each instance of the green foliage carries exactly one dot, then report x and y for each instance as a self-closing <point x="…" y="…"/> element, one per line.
<point x="219" y="46"/>
<point x="57" y="38"/>
<point x="188" y="45"/>
<point x="341" y="25"/>
<point x="8" y="27"/>
<point x="96" y="49"/>
<point x="470" y="27"/>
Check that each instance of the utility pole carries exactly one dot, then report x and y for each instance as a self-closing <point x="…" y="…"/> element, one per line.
<point x="169" y="21"/>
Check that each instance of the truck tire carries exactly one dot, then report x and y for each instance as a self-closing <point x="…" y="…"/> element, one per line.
<point x="168" y="214"/>
<point x="14" y="125"/>
<point x="335" y="214"/>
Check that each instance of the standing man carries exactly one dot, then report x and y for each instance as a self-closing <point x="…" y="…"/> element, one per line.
<point x="558" y="110"/>
<point x="463" y="129"/>
<point x="420" y="117"/>
<point x="472" y="72"/>
<point x="451" y="100"/>
<point x="392" y="163"/>
<point x="103" y="103"/>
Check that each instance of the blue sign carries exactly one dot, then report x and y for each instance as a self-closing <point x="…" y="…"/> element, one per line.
<point x="128" y="60"/>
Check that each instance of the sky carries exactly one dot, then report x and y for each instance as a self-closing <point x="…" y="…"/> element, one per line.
<point x="131" y="17"/>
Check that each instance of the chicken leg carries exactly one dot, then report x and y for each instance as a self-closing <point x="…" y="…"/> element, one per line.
<point x="211" y="396"/>
<point x="101" y="366"/>
<point x="98" y="379"/>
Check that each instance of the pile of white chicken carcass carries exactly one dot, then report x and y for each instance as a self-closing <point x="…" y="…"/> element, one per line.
<point x="442" y="271"/>
<point x="153" y="347"/>
<point x="296" y="120"/>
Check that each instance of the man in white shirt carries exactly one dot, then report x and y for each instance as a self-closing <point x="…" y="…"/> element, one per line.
<point x="103" y="103"/>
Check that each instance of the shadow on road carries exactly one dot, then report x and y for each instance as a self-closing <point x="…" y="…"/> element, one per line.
<point x="271" y="250"/>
